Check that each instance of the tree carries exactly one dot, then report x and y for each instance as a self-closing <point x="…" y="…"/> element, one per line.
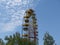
<point x="48" y="39"/>
<point x="15" y="39"/>
<point x="1" y="42"/>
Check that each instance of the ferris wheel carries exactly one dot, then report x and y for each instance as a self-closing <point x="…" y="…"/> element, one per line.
<point x="29" y="26"/>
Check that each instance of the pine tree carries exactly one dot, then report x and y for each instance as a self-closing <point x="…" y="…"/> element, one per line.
<point x="48" y="39"/>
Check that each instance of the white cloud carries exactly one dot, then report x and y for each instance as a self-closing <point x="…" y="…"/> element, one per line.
<point x="21" y="3"/>
<point x="8" y="27"/>
<point x="16" y="20"/>
<point x="16" y="15"/>
<point x="17" y="1"/>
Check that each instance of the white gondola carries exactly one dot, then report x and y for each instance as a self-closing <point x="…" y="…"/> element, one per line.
<point x="26" y="20"/>
<point x="25" y="29"/>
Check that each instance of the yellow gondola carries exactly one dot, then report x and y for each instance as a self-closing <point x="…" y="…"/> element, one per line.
<point x="27" y="16"/>
<point x="35" y="25"/>
<point x="26" y="24"/>
<point x="34" y="22"/>
<point x="34" y="19"/>
<point x="25" y="35"/>
<point x="30" y="11"/>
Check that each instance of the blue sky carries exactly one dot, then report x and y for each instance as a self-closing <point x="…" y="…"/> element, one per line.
<point x="47" y="12"/>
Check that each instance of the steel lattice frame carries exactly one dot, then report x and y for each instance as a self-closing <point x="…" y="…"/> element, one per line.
<point x="30" y="26"/>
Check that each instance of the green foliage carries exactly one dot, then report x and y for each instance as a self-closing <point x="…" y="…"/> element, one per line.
<point x="1" y="42"/>
<point x="15" y="39"/>
<point x="48" y="39"/>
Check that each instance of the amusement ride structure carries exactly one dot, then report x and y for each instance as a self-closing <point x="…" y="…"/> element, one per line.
<point x="29" y="26"/>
